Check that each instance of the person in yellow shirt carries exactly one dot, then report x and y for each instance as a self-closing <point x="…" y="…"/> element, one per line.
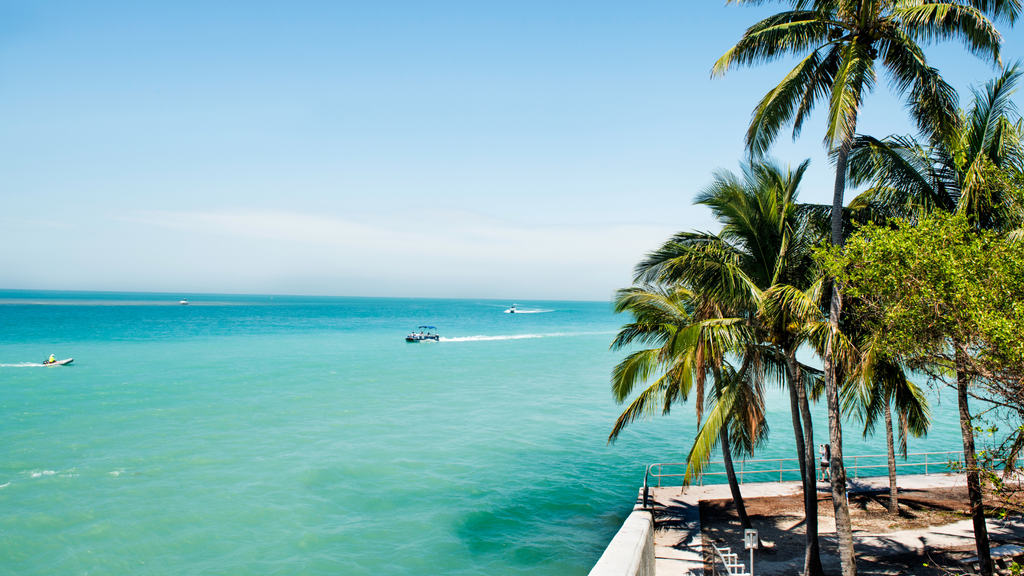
<point x="51" y="360"/>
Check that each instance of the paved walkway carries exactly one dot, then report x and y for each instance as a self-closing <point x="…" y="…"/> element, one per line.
<point x="677" y="541"/>
<point x="677" y="537"/>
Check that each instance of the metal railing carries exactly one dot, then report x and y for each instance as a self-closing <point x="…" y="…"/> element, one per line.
<point x="777" y="470"/>
<point x="731" y="561"/>
<point x="783" y="469"/>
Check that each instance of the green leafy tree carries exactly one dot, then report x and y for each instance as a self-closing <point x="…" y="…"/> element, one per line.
<point x="838" y="44"/>
<point x="972" y="167"/>
<point x="950" y="297"/>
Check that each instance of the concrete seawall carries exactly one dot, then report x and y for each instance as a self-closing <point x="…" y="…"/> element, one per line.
<point x="631" y="552"/>
<point x="666" y="538"/>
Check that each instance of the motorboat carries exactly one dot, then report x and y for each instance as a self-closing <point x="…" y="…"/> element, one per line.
<point x="511" y="310"/>
<point x="421" y="337"/>
<point x="58" y="362"/>
<point x="183" y="302"/>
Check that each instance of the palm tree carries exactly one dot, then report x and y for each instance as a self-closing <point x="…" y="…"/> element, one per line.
<point x="789" y="316"/>
<point x="691" y="342"/>
<point x="964" y="167"/>
<point x="961" y="169"/>
<point x="878" y="385"/>
<point x="838" y="43"/>
<point x="760" y="267"/>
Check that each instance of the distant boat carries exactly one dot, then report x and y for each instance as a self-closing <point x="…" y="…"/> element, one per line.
<point x="421" y="337"/>
<point x="511" y="310"/>
<point x="183" y="302"/>
<point x="59" y="362"/>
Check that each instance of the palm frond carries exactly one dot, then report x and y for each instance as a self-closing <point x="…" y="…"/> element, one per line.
<point x="1004" y="10"/>
<point x="932" y="102"/>
<point x="990" y="121"/>
<point x="774" y="37"/>
<point x="652" y="401"/>
<point x="797" y="93"/>
<point x="931" y="22"/>
<point x="855" y="77"/>
<point x="636" y="367"/>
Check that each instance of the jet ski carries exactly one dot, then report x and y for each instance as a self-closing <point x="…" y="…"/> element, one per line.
<point x="511" y="310"/>
<point x="59" y="362"/>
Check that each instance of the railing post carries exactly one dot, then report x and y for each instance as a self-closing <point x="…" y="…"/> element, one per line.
<point x="743" y="467"/>
<point x="780" y="470"/>
<point x="646" y="473"/>
<point x="925" y="463"/>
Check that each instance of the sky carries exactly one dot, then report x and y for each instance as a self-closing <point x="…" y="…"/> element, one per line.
<point x="510" y="150"/>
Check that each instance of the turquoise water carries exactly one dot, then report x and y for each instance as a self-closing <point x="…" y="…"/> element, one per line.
<point x="250" y="435"/>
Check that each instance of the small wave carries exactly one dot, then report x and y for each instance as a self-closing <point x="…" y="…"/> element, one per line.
<point x="520" y="336"/>
<point x="43" y="473"/>
<point x="2" y="486"/>
<point x="22" y="365"/>
<point x="85" y="302"/>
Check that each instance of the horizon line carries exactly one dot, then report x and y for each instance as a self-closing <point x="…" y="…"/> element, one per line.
<point x="187" y="294"/>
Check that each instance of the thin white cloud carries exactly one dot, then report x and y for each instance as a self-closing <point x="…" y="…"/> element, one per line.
<point x="436" y="253"/>
<point x="434" y="235"/>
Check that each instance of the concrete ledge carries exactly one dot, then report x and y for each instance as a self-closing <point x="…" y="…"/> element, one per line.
<point x="631" y="552"/>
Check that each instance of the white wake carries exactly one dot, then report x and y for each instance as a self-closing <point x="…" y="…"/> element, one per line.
<point x="520" y="336"/>
<point x="22" y="365"/>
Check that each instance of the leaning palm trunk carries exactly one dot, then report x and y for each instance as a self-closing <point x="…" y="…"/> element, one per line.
<point x="894" y="505"/>
<point x="970" y="462"/>
<point x="730" y="473"/>
<point x="837" y="472"/>
<point x="812" y="552"/>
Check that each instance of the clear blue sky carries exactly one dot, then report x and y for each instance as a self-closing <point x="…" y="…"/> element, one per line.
<point x="517" y="150"/>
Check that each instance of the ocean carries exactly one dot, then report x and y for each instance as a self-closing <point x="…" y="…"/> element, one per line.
<point x="303" y="435"/>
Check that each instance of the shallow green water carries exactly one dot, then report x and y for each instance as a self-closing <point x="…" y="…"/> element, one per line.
<point x="244" y="435"/>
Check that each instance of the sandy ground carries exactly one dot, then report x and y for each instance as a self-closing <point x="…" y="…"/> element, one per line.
<point x="779" y="522"/>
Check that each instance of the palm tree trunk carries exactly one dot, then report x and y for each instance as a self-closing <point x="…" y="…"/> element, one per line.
<point x="837" y="472"/>
<point x="985" y="567"/>
<point x="798" y="431"/>
<point x="730" y="473"/>
<point x="812" y="551"/>
<point x="894" y="505"/>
